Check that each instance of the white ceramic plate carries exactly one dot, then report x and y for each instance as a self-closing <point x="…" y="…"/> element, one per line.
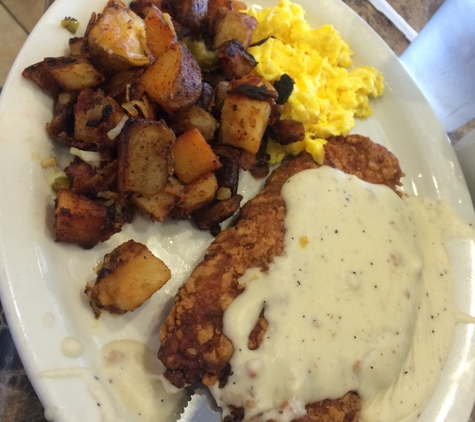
<point x="42" y="282"/>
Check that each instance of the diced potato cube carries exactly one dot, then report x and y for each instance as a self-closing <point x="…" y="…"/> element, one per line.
<point x="174" y="80"/>
<point x="243" y="122"/>
<point x="210" y="217"/>
<point x="198" y="194"/>
<point x="215" y="5"/>
<point x="76" y="46"/>
<point x="191" y="13"/>
<point x="40" y="74"/>
<point x="130" y="275"/>
<point x="74" y="73"/>
<point x="195" y="117"/>
<point x="156" y="207"/>
<point x="193" y="156"/>
<point x="160" y="31"/>
<point x="117" y="40"/>
<point x="94" y="115"/>
<point x="81" y="220"/>
<point x="235" y="25"/>
<point x="145" y="159"/>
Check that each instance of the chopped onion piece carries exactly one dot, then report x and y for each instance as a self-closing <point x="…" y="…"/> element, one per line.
<point x="91" y="157"/>
<point x="224" y="193"/>
<point x="108" y="203"/>
<point x="114" y="132"/>
<point x="48" y="162"/>
<point x="129" y="108"/>
<point x="143" y="108"/>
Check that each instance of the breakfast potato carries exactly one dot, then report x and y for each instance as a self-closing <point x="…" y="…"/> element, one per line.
<point x="215" y="5"/>
<point x="40" y="74"/>
<point x="174" y="80"/>
<point x="160" y="31"/>
<point x="56" y="74"/>
<point x="129" y="276"/>
<point x="61" y="127"/>
<point x="209" y="218"/>
<point x="124" y="86"/>
<point x="193" y="156"/>
<point x="158" y="207"/>
<point x="77" y="46"/>
<point x="117" y="39"/>
<point x="286" y="131"/>
<point x="145" y="159"/>
<point x="197" y="195"/>
<point x="142" y="7"/>
<point x="228" y="174"/>
<point x="95" y="114"/>
<point x="234" y="59"/>
<point x="195" y="118"/>
<point x="191" y="13"/>
<point x="81" y="220"/>
<point x="243" y="122"/>
<point x="235" y="25"/>
<point x="74" y="73"/>
<point x="86" y="179"/>
<point x="64" y="101"/>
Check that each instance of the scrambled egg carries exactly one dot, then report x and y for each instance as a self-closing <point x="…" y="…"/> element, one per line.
<point x="326" y="96"/>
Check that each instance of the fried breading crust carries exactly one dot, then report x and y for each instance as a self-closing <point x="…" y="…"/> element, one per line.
<point x="193" y="346"/>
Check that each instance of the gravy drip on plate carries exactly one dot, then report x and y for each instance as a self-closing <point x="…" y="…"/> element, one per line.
<point x="134" y="372"/>
<point x="361" y="301"/>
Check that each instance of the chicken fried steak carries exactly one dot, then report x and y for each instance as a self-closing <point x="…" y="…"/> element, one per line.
<point x="193" y="346"/>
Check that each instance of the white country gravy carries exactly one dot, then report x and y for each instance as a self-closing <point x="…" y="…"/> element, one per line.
<point x="362" y="300"/>
<point x="133" y="373"/>
<point x="127" y="387"/>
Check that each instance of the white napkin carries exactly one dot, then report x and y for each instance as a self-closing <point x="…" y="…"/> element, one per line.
<point x="441" y="60"/>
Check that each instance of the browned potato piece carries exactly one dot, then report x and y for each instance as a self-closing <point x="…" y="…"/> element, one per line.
<point x="130" y="275"/>
<point x="142" y="7"/>
<point x="286" y="132"/>
<point x="156" y="207"/>
<point x="81" y="220"/>
<point x="117" y="40"/>
<point x="85" y="179"/>
<point x="235" y="25"/>
<point x="243" y="122"/>
<point x="198" y="194"/>
<point x="195" y="118"/>
<point x="77" y="46"/>
<point x="228" y="174"/>
<point x="94" y="115"/>
<point x="74" y="73"/>
<point x="191" y="13"/>
<point x="40" y="74"/>
<point x="160" y="31"/>
<point x="145" y="159"/>
<point x="210" y="217"/>
<point x="193" y="156"/>
<point x="234" y="59"/>
<point x="215" y="5"/>
<point x="245" y="160"/>
<point x="174" y="80"/>
<point x="63" y="74"/>
<point x="239" y="5"/>
<point x="124" y="86"/>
